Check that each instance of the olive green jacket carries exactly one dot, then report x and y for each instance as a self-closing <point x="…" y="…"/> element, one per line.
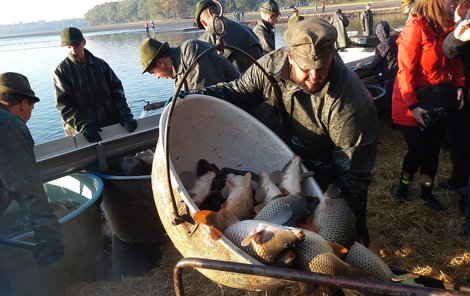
<point x="240" y="36"/>
<point x="211" y="69"/>
<point x="20" y="179"/>
<point x="265" y="33"/>
<point x="88" y="93"/>
<point x="338" y="123"/>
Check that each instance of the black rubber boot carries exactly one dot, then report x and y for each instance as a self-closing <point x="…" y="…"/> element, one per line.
<point x="400" y="192"/>
<point x="430" y="200"/>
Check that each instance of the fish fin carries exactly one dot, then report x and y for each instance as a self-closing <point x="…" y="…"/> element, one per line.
<point x="284" y="191"/>
<point x="277" y="177"/>
<point x="257" y="236"/>
<point x="215" y="233"/>
<point x="247" y="240"/>
<point x="339" y="250"/>
<point x="188" y="179"/>
<point x="260" y="195"/>
<point x="228" y="218"/>
<point x="281" y="217"/>
<point x="225" y="192"/>
<point x="306" y="175"/>
<point x="259" y="207"/>
<point x="247" y="180"/>
<point x="205" y="217"/>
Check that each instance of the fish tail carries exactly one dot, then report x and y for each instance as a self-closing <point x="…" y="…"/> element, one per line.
<point x="205" y="217"/>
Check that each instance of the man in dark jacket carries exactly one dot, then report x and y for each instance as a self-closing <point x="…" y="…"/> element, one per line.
<point x="264" y="28"/>
<point x="367" y="21"/>
<point x="236" y="35"/>
<point x="88" y="93"/>
<point x="340" y="21"/>
<point x="19" y="176"/>
<point x="325" y="113"/>
<point x="163" y="61"/>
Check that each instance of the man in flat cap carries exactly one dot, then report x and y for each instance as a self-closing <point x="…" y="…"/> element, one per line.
<point x="88" y="93"/>
<point x="236" y="35"/>
<point x="163" y="61"/>
<point x="325" y="114"/>
<point x="19" y="176"/>
<point x="264" y="28"/>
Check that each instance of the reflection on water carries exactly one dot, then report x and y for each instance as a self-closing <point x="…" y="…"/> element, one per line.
<point x="37" y="57"/>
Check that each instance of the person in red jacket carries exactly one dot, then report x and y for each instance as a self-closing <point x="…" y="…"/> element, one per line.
<point x="422" y="62"/>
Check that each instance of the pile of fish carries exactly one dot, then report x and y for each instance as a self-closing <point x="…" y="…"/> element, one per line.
<point x="271" y="219"/>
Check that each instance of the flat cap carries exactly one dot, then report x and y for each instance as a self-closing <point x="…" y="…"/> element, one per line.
<point x="150" y="50"/>
<point x="200" y="6"/>
<point x="71" y="36"/>
<point x="16" y="84"/>
<point x="311" y="42"/>
<point x="270" y="7"/>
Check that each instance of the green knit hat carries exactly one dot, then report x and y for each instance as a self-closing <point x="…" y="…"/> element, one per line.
<point x="16" y="84"/>
<point x="270" y="7"/>
<point x="150" y="50"/>
<point x="200" y="6"/>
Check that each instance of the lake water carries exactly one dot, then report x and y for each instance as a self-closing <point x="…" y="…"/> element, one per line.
<point x="37" y="58"/>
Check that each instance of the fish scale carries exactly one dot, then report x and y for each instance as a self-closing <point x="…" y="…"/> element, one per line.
<point x="363" y="259"/>
<point x="335" y="220"/>
<point x="298" y="205"/>
<point x="315" y="254"/>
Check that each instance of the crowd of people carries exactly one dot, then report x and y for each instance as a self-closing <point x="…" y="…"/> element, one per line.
<point x="317" y="105"/>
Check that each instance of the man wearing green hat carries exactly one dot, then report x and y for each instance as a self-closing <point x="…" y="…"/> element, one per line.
<point x="19" y="176"/>
<point x="325" y="114"/>
<point x="163" y="61"/>
<point x="264" y="28"/>
<point x="88" y="93"/>
<point x="407" y="7"/>
<point x="236" y="35"/>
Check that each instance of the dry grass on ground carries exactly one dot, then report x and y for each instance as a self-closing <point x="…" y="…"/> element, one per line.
<point x="408" y="236"/>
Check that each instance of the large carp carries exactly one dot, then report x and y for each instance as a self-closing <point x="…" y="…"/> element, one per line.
<point x="266" y="191"/>
<point x="365" y="260"/>
<point x="290" y="177"/>
<point x="334" y="218"/>
<point x="240" y="200"/>
<point x="198" y="188"/>
<point x="263" y="241"/>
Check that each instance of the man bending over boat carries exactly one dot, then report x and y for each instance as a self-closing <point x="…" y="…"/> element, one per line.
<point x="19" y="177"/>
<point x="88" y="93"/>
<point x="163" y="61"/>
<point x="325" y="113"/>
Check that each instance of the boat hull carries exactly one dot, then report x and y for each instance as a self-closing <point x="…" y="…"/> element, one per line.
<point x="209" y="128"/>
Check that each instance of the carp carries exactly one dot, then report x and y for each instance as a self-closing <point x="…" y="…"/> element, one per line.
<point x="365" y="260"/>
<point x="298" y="205"/>
<point x="290" y="177"/>
<point x="266" y="191"/>
<point x="200" y="188"/>
<point x="263" y="241"/>
<point x="315" y="254"/>
<point x="240" y="201"/>
<point x="334" y="218"/>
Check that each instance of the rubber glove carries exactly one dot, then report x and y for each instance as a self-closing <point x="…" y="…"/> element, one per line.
<point x="91" y="133"/>
<point x="130" y="122"/>
<point x="182" y="95"/>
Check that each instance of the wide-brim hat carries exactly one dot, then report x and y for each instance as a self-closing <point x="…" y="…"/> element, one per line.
<point x="311" y="42"/>
<point x="150" y="50"/>
<point x="71" y="36"/>
<point x="16" y="84"/>
<point x="200" y="6"/>
<point x="270" y="7"/>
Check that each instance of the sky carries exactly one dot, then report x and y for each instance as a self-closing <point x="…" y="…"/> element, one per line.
<point x="16" y="11"/>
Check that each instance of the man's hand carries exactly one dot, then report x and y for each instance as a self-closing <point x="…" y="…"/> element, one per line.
<point x="418" y="115"/>
<point x="462" y="31"/>
<point x="47" y="253"/>
<point x="182" y="95"/>
<point x="130" y="122"/>
<point x="91" y="133"/>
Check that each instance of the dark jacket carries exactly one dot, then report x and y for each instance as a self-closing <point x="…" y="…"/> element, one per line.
<point x="340" y="22"/>
<point x="240" y="36"/>
<point x="456" y="48"/>
<point x="367" y="22"/>
<point x="338" y="123"/>
<point x="20" y="179"/>
<point x="211" y="69"/>
<point x="385" y="61"/>
<point x="265" y="33"/>
<point x="87" y="93"/>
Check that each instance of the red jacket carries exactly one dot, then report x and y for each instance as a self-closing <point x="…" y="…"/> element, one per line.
<point x="421" y="62"/>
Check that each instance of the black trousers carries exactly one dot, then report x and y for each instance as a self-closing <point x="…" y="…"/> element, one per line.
<point x="458" y="138"/>
<point x="423" y="148"/>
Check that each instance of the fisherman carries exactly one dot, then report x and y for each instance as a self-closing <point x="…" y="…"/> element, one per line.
<point x="88" y="93"/>
<point x="340" y="21"/>
<point x="19" y="176"/>
<point x="407" y="7"/>
<point x="163" y="61"/>
<point x="326" y="115"/>
<point x="236" y="35"/>
<point x="367" y="21"/>
<point x="264" y="28"/>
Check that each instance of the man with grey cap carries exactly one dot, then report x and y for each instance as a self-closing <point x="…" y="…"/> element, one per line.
<point x="325" y="114"/>
<point x="236" y="35"/>
<point x="88" y="93"/>
<point x="163" y="61"/>
<point x="19" y="176"/>
<point x="264" y="28"/>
